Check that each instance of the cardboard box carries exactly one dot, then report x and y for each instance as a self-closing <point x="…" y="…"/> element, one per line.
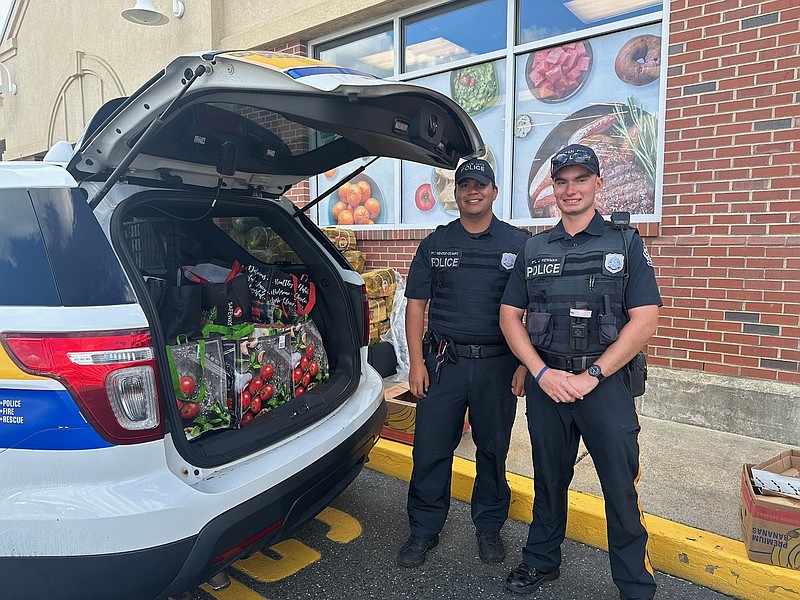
<point x="402" y="413"/>
<point x="771" y="524"/>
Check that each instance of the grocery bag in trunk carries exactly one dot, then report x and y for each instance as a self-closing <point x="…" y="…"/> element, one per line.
<point x="225" y="294"/>
<point x="279" y="298"/>
<point x="262" y="378"/>
<point x="198" y="379"/>
<point x="180" y="312"/>
<point x="310" y="365"/>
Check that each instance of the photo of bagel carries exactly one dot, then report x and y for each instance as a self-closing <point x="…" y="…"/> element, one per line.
<point x="639" y="60"/>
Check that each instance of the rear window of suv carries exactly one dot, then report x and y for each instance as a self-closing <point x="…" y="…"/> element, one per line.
<point x="53" y="252"/>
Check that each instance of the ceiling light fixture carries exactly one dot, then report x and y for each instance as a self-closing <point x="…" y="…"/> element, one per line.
<point x="590" y="11"/>
<point x="144" y="13"/>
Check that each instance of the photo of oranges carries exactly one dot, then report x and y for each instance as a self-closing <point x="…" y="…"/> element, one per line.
<point x="358" y="202"/>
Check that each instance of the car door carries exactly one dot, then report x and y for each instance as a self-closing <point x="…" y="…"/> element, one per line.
<point x="264" y="121"/>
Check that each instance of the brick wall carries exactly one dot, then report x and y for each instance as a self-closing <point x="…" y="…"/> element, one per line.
<point x="728" y="253"/>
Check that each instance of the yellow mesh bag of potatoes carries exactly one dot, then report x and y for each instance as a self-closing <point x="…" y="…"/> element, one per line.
<point x="343" y="239"/>
<point x="356" y="259"/>
<point x="377" y="310"/>
<point x="380" y="283"/>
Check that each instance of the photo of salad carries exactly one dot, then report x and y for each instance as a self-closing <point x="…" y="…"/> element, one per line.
<point x="476" y="88"/>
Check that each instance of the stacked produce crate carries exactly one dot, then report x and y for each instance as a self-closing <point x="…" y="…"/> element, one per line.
<point x="381" y="283"/>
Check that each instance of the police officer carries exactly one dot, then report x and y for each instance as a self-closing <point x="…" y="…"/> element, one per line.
<point x="461" y="269"/>
<point x="592" y="304"/>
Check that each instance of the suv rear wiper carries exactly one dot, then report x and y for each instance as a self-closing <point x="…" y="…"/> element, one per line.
<point x="153" y="128"/>
<point x="327" y="193"/>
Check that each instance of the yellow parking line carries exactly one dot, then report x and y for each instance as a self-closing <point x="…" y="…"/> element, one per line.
<point x="295" y="556"/>
<point x="236" y="591"/>
<point x="343" y="527"/>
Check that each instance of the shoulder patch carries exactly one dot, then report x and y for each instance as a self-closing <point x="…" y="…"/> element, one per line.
<point x="646" y="255"/>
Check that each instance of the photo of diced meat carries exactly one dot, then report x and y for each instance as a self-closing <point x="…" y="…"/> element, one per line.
<point x="555" y="74"/>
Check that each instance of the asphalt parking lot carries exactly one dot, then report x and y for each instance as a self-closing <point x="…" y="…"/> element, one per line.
<point x="349" y="552"/>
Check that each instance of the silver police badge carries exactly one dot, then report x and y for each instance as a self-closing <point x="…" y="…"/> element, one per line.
<point x="614" y="263"/>
<point x="507" y="260"/>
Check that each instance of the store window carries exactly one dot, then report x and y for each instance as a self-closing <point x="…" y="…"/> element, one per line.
<point x="597" y="93"/>
<point x="542" y="19"/>
<point x="454" y="31"/>
<point x="601" y="86"/>
<point x="371" y="51"/>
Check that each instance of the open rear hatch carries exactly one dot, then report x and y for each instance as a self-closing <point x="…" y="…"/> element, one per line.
<point x="214" y="141"/>
<point x="301" y="118"/>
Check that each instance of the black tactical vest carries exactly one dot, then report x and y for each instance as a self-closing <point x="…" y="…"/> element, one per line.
<point x="575" y="294"/>
<point x="467" y="282"/>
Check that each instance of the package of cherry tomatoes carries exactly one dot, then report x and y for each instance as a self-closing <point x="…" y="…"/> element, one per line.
<point x="262" y="373"/>
<point x="309" y="360"/>
<point x="198" y="378"/>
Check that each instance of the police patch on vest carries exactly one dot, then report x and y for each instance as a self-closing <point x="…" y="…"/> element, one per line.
<point x="507" y="260"/>
<point x="614" y="263"/>
<point x="544" y="266"/>
<point x="445" y="259"/>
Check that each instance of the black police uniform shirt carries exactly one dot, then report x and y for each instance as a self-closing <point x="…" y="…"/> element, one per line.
<point x="642" y="288"/>
<point x="469" y="272"/>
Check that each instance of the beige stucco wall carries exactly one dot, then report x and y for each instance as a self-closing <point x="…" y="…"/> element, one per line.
<point x="67" y="58"/>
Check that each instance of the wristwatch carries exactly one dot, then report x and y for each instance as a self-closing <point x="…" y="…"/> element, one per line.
<point x="596" y="371"/>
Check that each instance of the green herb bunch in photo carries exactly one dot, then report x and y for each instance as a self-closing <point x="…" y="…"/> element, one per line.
<point x="638" y="130"/>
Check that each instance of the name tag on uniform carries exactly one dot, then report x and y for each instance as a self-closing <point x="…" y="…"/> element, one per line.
<point x="544" y="266"/>
<point x="445" y="259"/>
<point x="580" y="313"/>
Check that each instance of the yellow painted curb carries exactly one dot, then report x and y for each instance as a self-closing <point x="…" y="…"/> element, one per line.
<point x="708" y="559"/>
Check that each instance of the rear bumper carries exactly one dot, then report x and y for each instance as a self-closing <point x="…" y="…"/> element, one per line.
<point x="172" y="568"/>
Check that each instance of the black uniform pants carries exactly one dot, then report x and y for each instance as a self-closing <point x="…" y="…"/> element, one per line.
<point x="484" y="386"/>
<point x="606" y="419"/>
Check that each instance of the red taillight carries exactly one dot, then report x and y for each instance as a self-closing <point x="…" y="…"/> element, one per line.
<point x="365" y="310"/>
<point x="248" y="542"/>
<point x="111" y="376"/>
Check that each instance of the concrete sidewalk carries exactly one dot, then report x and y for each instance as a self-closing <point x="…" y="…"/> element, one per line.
<point x="689" y="492"/>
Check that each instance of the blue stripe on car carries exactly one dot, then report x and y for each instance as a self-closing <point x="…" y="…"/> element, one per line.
<point x="44" y="420"/>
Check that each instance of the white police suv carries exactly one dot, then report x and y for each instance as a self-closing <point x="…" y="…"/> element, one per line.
<point x="102" y="495"/>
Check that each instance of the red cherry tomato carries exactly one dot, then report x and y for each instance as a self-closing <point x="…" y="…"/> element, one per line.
<point x="255" y="405"/>
<point x="189" y="410"/>
<point x="187" y="386"/>
<point x="304" y="364"/>
<point x="247" y="418"/>
<point x="297" y="375"/>
<point x="313" y="368"/>
<point x="244" y="401"/>
<point x="267" y="391"/>
<point x="306" y="380"/>
<point x="299" y="391"/>
<point x="267" y="371"/>
<point x="424" y="197"/>
<point x="310" y="350"/>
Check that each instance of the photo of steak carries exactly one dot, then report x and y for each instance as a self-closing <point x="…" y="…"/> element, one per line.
<point x="626" y="186"/>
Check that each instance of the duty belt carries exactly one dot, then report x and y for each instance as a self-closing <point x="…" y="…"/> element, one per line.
<point x="481" y="350"/>
<point x="573" y="364"/>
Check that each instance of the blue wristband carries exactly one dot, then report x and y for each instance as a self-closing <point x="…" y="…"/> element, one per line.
<point x="542" y="372"/>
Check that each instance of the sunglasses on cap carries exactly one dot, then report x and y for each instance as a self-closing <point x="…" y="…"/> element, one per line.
<point x="575" y="156"/>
